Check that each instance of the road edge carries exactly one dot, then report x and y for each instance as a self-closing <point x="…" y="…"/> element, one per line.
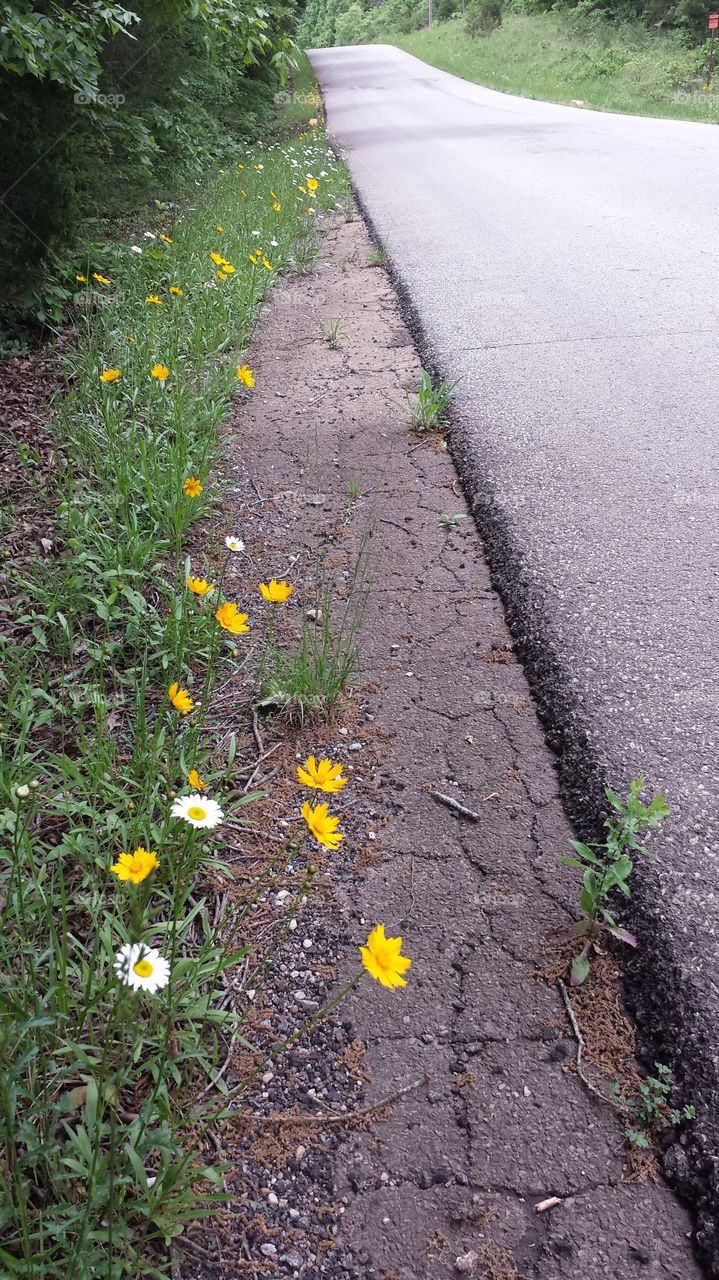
<point x="671" y="1026"/>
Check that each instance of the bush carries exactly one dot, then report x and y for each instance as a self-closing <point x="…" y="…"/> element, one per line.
<point x="483" y="17"/>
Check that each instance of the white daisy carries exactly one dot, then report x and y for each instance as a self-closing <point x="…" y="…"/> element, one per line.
<point x="198" y="811"/>
<point x="255" y="233"/>
<point x="234" y="544"/>
<point x="141" y="967"/>
<point x="135" y="248"/>
<point x="149" y="235"/>
<point x="274" y="243"/>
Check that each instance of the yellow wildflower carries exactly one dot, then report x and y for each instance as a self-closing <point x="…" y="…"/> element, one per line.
<point x="192" y="487"/>
<point x="230" y="618"/>
<point x="199" y="586"/>
<point x="100" y="279"/>
<point x="136" y="866"/>
<point x="276" y="592"/>
<point x="228" y="267"/>
<point x="221" y="275"/>
<point x="166" y="239"/>
<point x="382" y="959"/>
<point x="310" y="212"/>
<point x="312" y="185"/>
<point x="219" y="228"/>
<point x="322" y="825"/>
<point x="180" y="698"/>
<point x="267" y="265"/>
<point x="81" y="279"/>
<point x="195" y="781"/>
<point x="277" y="206"/>
<point x="160" y="371"/>
<point x="324" y="776"/>
<point x="155" y="299"/>
<point x="243" y="193"/>
<point x="175" y="290"/>
<point x="243" y="374"/>
<point x="253" y="258"/>
<point x="217" y="258"/>
<point x="110" y="375"/>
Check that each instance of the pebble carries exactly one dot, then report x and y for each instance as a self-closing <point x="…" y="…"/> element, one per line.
<point x="307" y="944"/>
<point x="293" y="1259"/>
<point x="273" y="1199"/>
<point x="294" y="1214"/>
<point x="269" y="1250"/>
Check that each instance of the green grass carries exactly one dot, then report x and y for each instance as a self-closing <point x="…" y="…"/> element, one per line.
<point x="99" y="1169"/>
<point x="560" y="59"/>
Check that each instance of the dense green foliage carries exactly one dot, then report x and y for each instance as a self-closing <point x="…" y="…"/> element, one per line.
<point x="104" y="108"/>
<point x="328" y="22"/>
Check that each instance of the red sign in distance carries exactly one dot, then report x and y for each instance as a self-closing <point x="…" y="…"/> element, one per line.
<point x="713" y="21"/>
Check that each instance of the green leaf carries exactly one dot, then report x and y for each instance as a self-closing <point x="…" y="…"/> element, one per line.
<point x="580" y="969"/>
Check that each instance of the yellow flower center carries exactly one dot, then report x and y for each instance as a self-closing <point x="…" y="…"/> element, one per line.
<point x="142" y="968"/>
<point x="196" y="812"/>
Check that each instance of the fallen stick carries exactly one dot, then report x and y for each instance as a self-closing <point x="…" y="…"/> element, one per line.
<point x="581" y="1046"/>
<point x="451" y="803"/>
<point x="333" y="1117"/>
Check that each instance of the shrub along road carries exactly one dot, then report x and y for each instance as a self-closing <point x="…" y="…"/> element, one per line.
<point x="562" y="263"/>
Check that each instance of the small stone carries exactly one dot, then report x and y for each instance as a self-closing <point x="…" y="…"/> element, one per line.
<point x="269" y="1075"/>
<point x="344" y="732"/>
<point x="466" y="1262"/>
<point x="293" y="925"/>
<point x="441" y="1175"/>
<point x="273" y="1199"/>
<point x="293" y="1259"/>
<point x="355" y="746"/>
<point x="269" y="1250"/>
<point x="300" y="1152"/>
<point x="294" y="1214"/>
<point x="307" y="944"/>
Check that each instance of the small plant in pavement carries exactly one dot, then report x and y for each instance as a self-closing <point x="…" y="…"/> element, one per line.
<point x="377" y="257"/>
<point x="650" y="1111"/>
<point x="334" y="334"/>
<point x="427" y="409"/>
<point x="608" y="866"/>
<point x="451" y="522"/>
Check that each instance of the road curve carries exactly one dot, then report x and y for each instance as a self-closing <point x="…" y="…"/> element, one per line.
<point x="564" y="263"/>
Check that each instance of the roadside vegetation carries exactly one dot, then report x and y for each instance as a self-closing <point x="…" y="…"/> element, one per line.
<point x="118" y="778"/>
<point x="595" y="57"/>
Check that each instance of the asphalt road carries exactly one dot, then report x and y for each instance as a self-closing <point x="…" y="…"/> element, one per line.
<point x="564" y="263"/>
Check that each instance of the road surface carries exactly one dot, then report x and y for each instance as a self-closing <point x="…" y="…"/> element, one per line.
<point x="564" y="263"/>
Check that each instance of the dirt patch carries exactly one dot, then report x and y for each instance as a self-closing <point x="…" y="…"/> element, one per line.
<point x="491" y="1117"/>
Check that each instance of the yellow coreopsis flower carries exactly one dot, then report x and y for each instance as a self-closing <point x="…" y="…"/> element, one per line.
<point x="100" y="279"/>
<point x="221" y="275"/>
<point x="276" y="592"/>
<point x="195" y="781"/>
<point x="253" y="258"/>
<point x="243" y="374"/>
<point x="166" y="239"/>
<point x="230" y="618"/>
<point x="228" y="267"/>
<point x="277" y="206"/>
<point x="155" y="299"/>
<point x="382" y="959"/>
<point x="180" y="698"/>
<point x="310" y="212"/>
<point x="217" y="258"/>
<point x="324" y="776"/>
<point x="160" y="371"/>
<point x="312" y="185"/>
<point x="219" y="228"/>
<point x="267" y="265"/>
<point x="322" y="825"/>
<point x="81" y="279"/>
<point x="192" y="487"/>
<point x="175" y="290"/>
<point x="199" y="586"/>
<point x="110" y="375"/>
<point x="136" y="866"/>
